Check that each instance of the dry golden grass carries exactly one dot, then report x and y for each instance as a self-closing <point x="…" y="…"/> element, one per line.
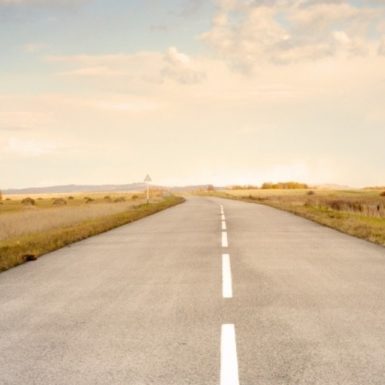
<point x="27" y="232"/>
<point x="76" y="195"/>
<point x="14" y="224"/>
<point x="357" y="212"/>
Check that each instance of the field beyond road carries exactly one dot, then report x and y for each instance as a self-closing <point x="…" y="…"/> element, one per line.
<point x="360" y="213"/>
<point x="33" y="226"/>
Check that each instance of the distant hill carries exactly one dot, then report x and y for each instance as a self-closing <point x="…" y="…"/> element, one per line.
<point x="73" y="188"/>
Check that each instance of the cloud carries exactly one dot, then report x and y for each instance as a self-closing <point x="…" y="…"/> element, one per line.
<point x="279" y="31"/>
<point x="96" y="71"/>
<point x="124" y="66"/>
<point x="152" y="67"/>
<point x="181" y="68"/>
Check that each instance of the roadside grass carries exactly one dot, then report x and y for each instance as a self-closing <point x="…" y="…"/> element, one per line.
<point x="19" y="223"/>
<point x="45" y="232"/>
<point x="360" y="213"/>
<point x="12" y="203"/>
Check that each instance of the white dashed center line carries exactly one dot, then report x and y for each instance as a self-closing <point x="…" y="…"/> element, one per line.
<point x="227" y="283"/>
<point x="229" y="359"/>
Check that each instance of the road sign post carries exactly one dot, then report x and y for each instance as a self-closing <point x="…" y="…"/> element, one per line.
<point x="147" y="180"/>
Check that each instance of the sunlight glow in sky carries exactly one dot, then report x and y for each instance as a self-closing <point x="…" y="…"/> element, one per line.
<point x="192" y="91"/>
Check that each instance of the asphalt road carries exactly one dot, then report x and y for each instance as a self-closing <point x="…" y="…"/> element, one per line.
<point x="144" y="304"/>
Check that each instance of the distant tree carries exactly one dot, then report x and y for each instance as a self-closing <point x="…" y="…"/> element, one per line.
<point x="285" y="185"/>
<point x="267" y="186"/>
<point x="59" y="202"/>
<point x="28" y="201"/>
<point x="244" y="187"/>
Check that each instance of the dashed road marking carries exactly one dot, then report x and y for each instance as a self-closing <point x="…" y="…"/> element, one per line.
<point x="227" y="283"/>
<point x="229" y="359"/>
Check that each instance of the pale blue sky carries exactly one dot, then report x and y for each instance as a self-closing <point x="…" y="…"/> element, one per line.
<point x="226" y="91"/>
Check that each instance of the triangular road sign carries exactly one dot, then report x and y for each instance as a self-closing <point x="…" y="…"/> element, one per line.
<point x="147" y="179"/>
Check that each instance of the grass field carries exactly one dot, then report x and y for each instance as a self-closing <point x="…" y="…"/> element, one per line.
<point x="33" y="228"/>
<point x="356" y="212"/>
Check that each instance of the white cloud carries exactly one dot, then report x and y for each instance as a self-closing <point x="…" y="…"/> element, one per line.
<point x="174" y="57"/>
<point x="249" y="33"/>
<point x="181" y="68"/>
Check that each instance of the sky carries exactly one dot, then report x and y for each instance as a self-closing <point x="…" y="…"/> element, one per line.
<point x="192" y="91"/>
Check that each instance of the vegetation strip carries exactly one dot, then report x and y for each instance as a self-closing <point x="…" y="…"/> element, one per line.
<point x="31" y="246"/>
<point x="357" y="213"/>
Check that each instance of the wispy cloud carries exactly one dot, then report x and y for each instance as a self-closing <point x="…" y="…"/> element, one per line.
<point x="96" y="71"/>
<point x="154" y="67"/>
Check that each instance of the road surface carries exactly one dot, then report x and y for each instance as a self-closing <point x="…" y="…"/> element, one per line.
<point x="209" y="292"/>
